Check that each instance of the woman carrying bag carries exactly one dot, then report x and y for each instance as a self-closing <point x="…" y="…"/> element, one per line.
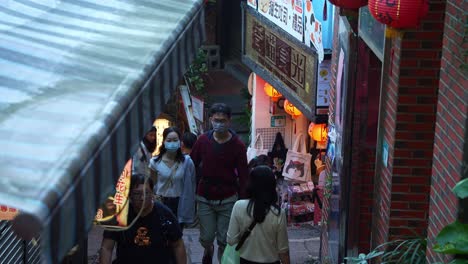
<point x="174" y="176"/>
<point x="260" y="219"/>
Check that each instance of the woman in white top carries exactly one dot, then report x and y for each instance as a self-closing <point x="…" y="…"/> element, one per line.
<point x="268" y="241"/>
<point x="174" y="175"/>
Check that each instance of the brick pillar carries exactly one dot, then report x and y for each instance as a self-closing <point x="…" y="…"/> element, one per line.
<point x="451" y="131"/>
<point x="407" y="124"/>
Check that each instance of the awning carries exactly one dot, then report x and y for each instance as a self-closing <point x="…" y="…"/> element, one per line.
<point x="80" y="82"/>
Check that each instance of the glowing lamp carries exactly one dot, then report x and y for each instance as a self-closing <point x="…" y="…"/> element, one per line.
<point x="291" y="109"/>
<point x="318" y="132"/>
<point x="271" y="92"/>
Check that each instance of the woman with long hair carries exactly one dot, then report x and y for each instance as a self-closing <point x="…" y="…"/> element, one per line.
<point x="174" y="176"/>
<point x="268" y="239"/>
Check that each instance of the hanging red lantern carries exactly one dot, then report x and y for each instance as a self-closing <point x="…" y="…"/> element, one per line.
<point x="350" y="4"/>
<point x="399" y="14"/>
<point x="291" y="109"/>
<point x="272" y="92"/>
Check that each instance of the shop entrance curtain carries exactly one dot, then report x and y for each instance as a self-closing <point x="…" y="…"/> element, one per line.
<point x="80" y="82"/>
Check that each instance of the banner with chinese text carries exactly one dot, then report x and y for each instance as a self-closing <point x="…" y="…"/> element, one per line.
<point x="287" y="14"/>
<point x="7" y="213"/>
<point x="114" y="211"/>
<point x="291" y="65"/>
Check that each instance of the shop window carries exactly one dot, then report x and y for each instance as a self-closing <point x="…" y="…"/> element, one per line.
<point x="371" y="31"/>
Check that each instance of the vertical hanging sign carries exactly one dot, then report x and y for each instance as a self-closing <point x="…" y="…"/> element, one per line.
<point x="323" y="87"/>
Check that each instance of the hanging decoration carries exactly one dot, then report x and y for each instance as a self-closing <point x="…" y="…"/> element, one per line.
<point x="291" y="109"/>
<point x="318" y="132"/>
<point x="272" y="92"/>
<point x="398" y="14"/>
<point x="350" y="4"/>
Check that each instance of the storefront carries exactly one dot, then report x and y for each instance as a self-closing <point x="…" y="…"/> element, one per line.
<point x="284" y="46"/>
<point x="353" y="124"/>
<point x="81" y="83"/>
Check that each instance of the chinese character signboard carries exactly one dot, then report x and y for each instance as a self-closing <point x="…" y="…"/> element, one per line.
<point x="292" y="66"/>
<point x="287" y="14"/>
<point x="114" y="211"/>
<point x="7" y="213"/>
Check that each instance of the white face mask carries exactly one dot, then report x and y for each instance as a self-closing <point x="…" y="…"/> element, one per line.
<point x="172" y="146"/>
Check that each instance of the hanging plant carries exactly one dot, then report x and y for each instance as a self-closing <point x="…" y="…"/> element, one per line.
<point x="197" y="74"/>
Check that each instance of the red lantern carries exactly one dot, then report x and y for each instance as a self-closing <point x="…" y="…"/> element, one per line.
<point x="399" y="13"/>
<point x="350" y="4"/>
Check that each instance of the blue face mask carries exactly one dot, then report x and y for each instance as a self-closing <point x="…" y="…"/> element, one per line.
<point x="172" y="146"/>
<point x="219" y="127"/>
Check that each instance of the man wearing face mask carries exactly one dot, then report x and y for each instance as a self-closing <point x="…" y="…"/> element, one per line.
<point x="221" y="158"/>
<point x="174" y="176"/>
<point x="143" y="155"/>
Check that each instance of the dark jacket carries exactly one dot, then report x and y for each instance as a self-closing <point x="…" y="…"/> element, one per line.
<point x="222" y="167"/>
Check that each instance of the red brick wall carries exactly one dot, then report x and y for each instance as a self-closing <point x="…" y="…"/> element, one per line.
<point x="407" y="124"/>
<point x="450" y="128"/>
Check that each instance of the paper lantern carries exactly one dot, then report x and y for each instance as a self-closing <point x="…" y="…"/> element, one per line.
<point x="271" y="92"/>
<point x="291" y="109"/>
<point x="350" y="4"/>
<point x="399" y="14"/>
<point x="318" y="132"/>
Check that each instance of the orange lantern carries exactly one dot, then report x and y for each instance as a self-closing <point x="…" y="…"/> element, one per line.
<point x="351" y="4"/>
<point x="271" y="92"/>
<point x="291" y="109"/>
<point x="318" y="132"/>
<point x="399" y="13"/>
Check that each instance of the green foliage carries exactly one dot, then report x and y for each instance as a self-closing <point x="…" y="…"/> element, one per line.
<point x="401" y="251"/>
<point x="197" y="73"/>
<point x="405" y="251"/>
<point x="453" y="239"/>
<point x="363" y="258"/>
<point x="459" y="261"/>
<point x="461" y="189"/>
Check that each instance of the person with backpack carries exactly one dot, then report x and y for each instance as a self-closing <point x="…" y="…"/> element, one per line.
<point x="154" y="235"/>
<point x="258" y="225"/>
<point x="221" y="159"/>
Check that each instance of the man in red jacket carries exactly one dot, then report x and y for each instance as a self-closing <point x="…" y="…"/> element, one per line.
<point x="221" y="159"/>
